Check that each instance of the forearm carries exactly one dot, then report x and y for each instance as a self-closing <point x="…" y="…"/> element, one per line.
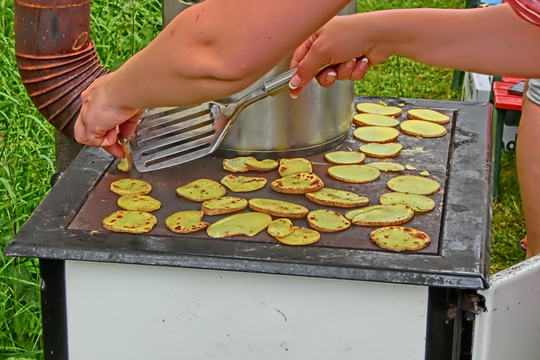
<point x="492" y="40"/>
<point x="207" y="52"/>
<point x="529" y="172"/>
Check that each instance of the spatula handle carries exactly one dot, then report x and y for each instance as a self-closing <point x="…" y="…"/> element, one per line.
<point x="280" y="83"/>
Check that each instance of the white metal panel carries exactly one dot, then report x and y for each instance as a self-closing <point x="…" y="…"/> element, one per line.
<point x="510" y="329"/>
<point x="118" y="311"/>
<point x="476" y="87"/>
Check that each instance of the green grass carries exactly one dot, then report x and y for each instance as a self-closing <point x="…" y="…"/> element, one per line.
<point x="27" y="158"/>
<point x="120" y="29"/>
<point x="508" y="225"/>
<point x="26" y="162"/>
<point x="400" y="77"/>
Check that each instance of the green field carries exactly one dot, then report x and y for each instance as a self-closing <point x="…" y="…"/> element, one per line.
<point x="119" y="29"/>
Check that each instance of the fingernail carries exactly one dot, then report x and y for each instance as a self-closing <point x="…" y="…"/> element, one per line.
<point x="364" y="64"/>
<point x="294" y="82"/>
<point x="294" y="96"/>
<point x="350" y="64"/>
<point x="331" y="76"/>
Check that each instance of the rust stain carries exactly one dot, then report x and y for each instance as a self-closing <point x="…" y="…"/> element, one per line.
<point x="80" y="41"/>
<point x="52" y="5"/>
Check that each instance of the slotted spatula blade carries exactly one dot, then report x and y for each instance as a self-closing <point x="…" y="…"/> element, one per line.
<point x="173" y="139"/>
<point x="168" y="137"/>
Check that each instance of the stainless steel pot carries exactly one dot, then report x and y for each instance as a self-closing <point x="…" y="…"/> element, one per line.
<point x="317" y="120"/>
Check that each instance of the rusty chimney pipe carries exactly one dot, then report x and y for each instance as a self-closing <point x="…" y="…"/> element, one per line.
<point x="55" y="56"/>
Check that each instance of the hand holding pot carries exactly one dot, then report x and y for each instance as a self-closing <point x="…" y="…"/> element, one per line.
<point x="341" y="42"/>
<point x="469" y="40"/>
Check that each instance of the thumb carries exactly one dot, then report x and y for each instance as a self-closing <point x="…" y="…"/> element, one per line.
<point x="305" y="71"/>
<point x="325" y="77"/>
<point x="307" y="64"/>
<point x="127" y="128"/>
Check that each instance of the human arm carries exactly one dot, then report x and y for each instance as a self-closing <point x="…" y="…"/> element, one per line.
<point x="209" y="51"/>
<point x="528" y="172"/>
<point x="493" y="40"/>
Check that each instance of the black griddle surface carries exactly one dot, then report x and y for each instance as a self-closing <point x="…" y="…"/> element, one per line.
<point x="425" y="154"/>
<point x="67" y="225"/>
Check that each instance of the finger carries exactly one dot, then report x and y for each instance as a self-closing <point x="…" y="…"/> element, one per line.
<point x="87" y="137"/>
<point x="84" y="134"/>
<point x="111" y="144"/>
<point x="79" y="130"/>
<point x="345" y="69"/>
<point x="307" y="68"/>
<point x="127" y="128"/>
<point x="115" y="150"/>
<point x="301" y="51"/>
<point x="295" y="92"/>
<point x="101" y="136"/>
<point x="327" y="77"/>
<point x="304" y="73"/>
<point x="360" y="70"/>
<point x="110" y="138"/>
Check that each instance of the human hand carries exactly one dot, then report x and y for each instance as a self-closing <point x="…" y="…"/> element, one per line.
<point x="346" y="41"/>
<point x="101" y="121"/>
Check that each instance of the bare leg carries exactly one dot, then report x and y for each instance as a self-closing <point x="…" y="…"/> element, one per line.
<point x="528" y="169"/>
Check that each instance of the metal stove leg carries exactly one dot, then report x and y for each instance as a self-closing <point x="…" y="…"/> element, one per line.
<point x="53" y="307"/>
<point x="66" y="151"/>
<point x="441" y="336"/>
<point x="450" y="332"/>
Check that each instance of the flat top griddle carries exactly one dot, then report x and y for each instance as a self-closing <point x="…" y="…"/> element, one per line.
<point x="424" y="154"/>
<point x="68" y="223"/>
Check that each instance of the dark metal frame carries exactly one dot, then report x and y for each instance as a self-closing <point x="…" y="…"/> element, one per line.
<point x="440" y="339"/>
<point x="53" y="308"/>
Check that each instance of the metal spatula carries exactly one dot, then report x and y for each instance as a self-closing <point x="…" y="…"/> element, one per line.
<point x="167" y="137"/>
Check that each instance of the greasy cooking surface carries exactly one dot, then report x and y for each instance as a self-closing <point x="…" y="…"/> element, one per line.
<point x="461" y="226"/>
<point x="424" y="154"/>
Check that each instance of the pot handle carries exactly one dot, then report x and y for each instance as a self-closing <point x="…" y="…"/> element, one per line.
<point x="280" y="83"/>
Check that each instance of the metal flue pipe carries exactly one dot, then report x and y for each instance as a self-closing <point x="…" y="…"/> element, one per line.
<point x="56" y="59"/>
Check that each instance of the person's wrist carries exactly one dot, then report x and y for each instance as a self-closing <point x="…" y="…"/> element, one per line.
<point x="110" y="98"/>
<point x="110" y="91"/>
<point x="384" y="36"/>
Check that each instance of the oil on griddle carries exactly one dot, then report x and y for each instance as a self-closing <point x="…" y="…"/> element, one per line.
<point x="425" y="154"/>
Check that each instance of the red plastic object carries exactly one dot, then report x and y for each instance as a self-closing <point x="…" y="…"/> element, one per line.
<point x="512" y="80"/>
<point x="503" y="99"/>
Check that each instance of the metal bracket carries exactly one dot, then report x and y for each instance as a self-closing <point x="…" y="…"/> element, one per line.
<point x="470" y="305"/>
